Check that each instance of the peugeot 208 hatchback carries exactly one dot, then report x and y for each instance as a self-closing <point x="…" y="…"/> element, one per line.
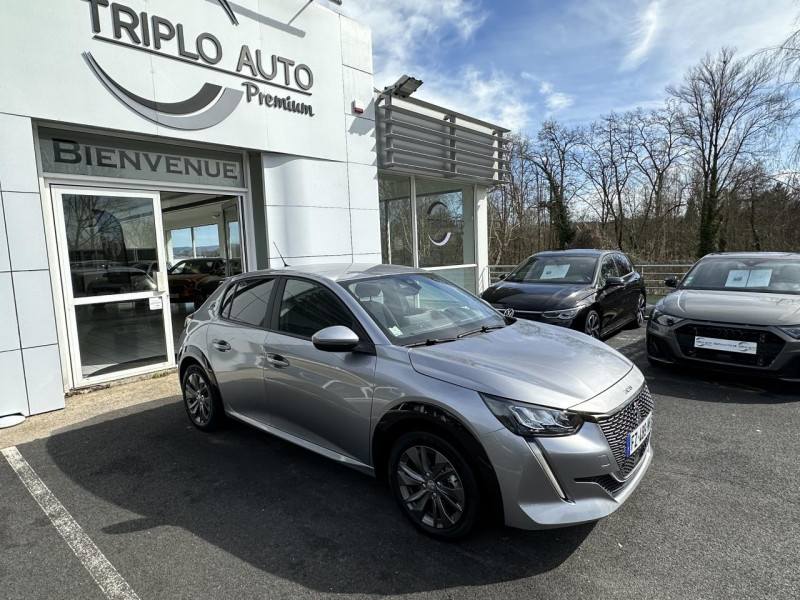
<point x="403" y="375"/>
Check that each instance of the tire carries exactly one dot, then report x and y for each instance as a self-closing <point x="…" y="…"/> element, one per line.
<point x="428" y="467"/>
<point x="641" y="308"/>
<point x="201" y="400"/>
<point x="593" y="324"/>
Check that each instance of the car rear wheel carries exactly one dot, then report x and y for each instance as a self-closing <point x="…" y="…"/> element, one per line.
<point x="434" y="485"/>
<point x="593" y="324"/>
<point x="641" y="307"/>
<point x="201" y="399"/>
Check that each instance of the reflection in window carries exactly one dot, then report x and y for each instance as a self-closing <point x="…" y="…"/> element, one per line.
<point x="106" y="237"/>
<point x="396" y="220"/>
<point x="249" y="304"/>
<point x="306" y="308"/>
<point x="445" y="223"/>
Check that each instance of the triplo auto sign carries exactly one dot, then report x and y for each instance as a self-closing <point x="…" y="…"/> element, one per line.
<point x="271" y="81"/>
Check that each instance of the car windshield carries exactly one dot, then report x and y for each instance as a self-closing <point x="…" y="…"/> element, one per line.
<point x="779" y="276"/>
<point x="193" y="267"/>
<point x="555" y="269"/>
<point x="413" y="308"/>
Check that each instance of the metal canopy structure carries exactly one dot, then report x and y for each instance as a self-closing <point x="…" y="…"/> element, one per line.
<point x="420" y="138"/>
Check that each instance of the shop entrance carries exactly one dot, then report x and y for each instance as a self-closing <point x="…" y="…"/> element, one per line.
<point x="134" y="264"/>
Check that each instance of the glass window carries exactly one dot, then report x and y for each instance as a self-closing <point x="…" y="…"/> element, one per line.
<point x="396" y="221"/>
<point x="624" y="264"/>
<point x="556" y="269"/>
<point x="762" y="274"/>
<point x="195" y="267"/>
<point x="412" y="308"/>
<point x="106" y="237"/>
<point x="249" y="302"/>
<point x="206" y="240"/>
<point x="181" y="242"/>
<point x="445" y="223"/>
<point x="307" y="307"/>
<point x="608" y="269"/>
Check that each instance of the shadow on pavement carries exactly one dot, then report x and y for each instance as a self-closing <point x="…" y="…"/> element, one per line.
<point x="285" y="510"/>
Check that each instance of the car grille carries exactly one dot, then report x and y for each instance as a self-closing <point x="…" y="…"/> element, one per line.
<point x="769" y="344"/>
<point x="618" y="426"/>
<point x="607" y="482"/>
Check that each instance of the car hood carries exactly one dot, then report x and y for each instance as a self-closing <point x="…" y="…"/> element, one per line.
<point x="536" y="296"/>
<point x="528" y="362"/>
<point x="746" y="308"/>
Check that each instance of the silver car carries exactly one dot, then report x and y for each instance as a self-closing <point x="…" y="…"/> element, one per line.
<point x="402" y="375"/>
<point x="737" y="312"/>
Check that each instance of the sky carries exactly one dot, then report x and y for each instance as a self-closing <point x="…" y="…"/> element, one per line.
<point x="516" y="63"/>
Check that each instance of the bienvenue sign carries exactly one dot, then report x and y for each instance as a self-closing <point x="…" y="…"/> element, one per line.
<point x="76" y="153"/>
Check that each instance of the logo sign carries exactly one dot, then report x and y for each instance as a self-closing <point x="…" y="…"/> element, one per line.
<point x="73" y="153"/>
<point x="509" y="312"/>
<point x="441" y="225"/>
<point x="269" y="81"/>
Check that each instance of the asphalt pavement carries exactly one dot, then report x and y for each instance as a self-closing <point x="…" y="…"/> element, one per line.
<point x="241" y="514"/>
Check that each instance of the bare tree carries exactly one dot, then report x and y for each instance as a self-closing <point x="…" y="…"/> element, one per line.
<point x="729" y="109"/>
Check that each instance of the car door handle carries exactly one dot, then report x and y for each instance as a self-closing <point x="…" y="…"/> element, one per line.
<point x="221" y="345"/>
<point x="277" y="361"/>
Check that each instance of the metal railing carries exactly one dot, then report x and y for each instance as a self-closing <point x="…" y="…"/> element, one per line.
<point x="653" y="275"/>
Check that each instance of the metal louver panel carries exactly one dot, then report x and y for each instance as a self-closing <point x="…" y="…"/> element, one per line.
<point x="425" y="139"/>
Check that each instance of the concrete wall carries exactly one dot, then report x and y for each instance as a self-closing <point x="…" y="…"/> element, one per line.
<point x="30" y="367"/>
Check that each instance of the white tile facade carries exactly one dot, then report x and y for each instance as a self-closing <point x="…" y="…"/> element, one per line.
<point x="29" y="355"/>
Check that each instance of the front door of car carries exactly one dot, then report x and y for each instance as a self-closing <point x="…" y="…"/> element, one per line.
<point x="322" y="397"/>
<point x="612" y="297"/>
<point x="235" y="346"/>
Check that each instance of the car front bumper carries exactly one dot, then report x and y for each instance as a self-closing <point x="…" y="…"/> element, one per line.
<point x="782" y="361"/>
<point x="561" y="481"/>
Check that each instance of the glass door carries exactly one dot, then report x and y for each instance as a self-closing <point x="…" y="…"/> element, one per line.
<point x="112" y="257"/>
<point x="233" y="238"/>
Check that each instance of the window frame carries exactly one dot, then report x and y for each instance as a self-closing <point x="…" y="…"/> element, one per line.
<point x="230" y="293"/>
<point x="365" y="344"/>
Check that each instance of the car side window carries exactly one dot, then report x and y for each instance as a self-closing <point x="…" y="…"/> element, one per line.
<point x="625" y="266"/>
<point x="249" y="301"/>
<point x="608" y="268"/>
<point x="307" y="307"/>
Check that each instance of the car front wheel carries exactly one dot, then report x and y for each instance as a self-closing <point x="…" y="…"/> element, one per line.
<point x="593" y="324"/>
<point x="641" y="307"/>
<point x="434" y="485"/>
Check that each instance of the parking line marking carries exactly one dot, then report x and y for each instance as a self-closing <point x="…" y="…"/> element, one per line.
<point x="102" y="571"/>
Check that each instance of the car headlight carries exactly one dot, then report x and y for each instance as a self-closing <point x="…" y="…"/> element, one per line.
<point x="665" y="319"/>
<point x="792" y="330"/>
<point x="567" y="313"/>
<point x="531" y="420"/>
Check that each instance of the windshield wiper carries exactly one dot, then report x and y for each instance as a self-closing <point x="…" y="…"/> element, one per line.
<point x="432" y="342"/>
<point x="483" y="329"/>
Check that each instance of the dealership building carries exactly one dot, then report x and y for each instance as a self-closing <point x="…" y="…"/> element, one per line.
<point x="138" y="133"/>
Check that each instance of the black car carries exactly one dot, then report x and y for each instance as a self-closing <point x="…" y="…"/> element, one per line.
<point x="594" y="291"/>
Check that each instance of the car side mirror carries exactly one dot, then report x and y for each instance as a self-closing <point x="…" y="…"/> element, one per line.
<point x="502" y="276"/>
<point x="671" y="282"/>
<point x="335" y="339"/>
<point x="614" y="282"/>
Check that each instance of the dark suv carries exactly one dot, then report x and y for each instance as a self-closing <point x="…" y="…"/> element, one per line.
<point x="594" y="291"/>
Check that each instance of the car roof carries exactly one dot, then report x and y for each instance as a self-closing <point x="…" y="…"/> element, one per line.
<point x="575" y="252"/>
<point x="337" y="271"/>
<point x="752" y="255"/>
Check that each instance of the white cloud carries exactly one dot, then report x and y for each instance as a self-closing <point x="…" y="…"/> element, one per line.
<point x="644" y="35"/>
<point x="546" y="88"/>
<point x="559" y="101"/>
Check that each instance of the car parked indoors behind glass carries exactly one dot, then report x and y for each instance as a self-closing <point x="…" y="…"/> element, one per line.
<point x="403" y="375"/>
<point x="594" y="291"/>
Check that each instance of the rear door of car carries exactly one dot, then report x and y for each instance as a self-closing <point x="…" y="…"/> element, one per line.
<point x="632" y="284"/>
<point x="235" y="346"/>
<point x="612" y="298"/>
<point x="322" y="397"/>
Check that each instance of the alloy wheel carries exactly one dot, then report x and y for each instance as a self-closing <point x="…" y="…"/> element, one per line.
<point x="640" y="310"/>
<point x="431" y="487"/>
<point x="198" y="399"/>
<point x="592" y="326"/>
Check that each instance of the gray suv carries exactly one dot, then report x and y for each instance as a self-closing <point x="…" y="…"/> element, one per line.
<point x="402" y="375"/>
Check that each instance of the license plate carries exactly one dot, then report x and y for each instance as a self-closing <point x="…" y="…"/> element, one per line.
<point x="637" y="437"/>
<point x="725" y="345"/>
